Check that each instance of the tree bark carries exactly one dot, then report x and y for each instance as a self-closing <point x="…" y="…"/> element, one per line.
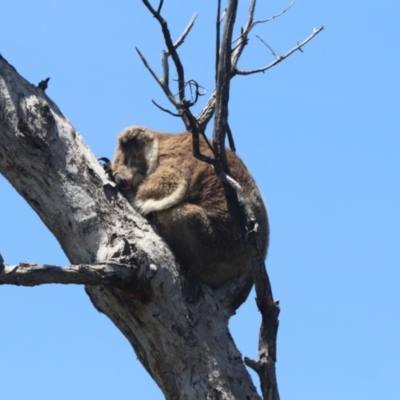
<point x="178" y="329"/>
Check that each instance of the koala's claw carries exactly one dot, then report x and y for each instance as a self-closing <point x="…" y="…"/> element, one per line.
<point x="106" y="164"/>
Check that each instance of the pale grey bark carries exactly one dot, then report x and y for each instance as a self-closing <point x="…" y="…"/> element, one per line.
<point x="178" y="330"/>
<point x="121" y="276"/>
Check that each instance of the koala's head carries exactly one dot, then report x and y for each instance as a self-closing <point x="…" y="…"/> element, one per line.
<point x="135" y="157"/>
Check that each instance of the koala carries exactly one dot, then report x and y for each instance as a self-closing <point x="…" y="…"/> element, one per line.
<point x="159" y="175"/>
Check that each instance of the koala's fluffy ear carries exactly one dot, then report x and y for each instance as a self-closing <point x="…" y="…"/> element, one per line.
<point x="137" y="134"/>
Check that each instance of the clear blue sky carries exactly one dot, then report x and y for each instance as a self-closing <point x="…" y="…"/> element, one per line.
<point x="320" y="133"/>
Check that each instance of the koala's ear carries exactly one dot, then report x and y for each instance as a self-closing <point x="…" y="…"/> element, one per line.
<point x="124" y="139"/>
<point x="135" y="135"/>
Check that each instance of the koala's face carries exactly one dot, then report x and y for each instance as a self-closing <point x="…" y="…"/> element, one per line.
<point x="130" y="164"/>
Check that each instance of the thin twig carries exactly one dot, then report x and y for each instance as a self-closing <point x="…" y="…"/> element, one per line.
<point x="274" y="16"/>
<point x="180" y="40"/>
<point x="230" y="138"/>
<point x="192" y="83"/>
<point x="166" y="110"/>
<point x="160" y="6"/>
<point x="222" y="16"/>
<point x="186" y="32"/>
<point x="266" y="44"/>
<point x="163" y="86"/>
<point x="251" y="24"/>
<point x="147" y="65"/>
<point x="280" y="58"/>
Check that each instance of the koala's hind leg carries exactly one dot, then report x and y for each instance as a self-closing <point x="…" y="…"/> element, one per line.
<point x="205" y="245"/>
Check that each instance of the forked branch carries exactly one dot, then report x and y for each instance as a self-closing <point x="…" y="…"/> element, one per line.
<point x="278" y="58"/>
<point x="250" y="24"/>
<point x="170" y="46"/>
<point x="167" y="52"/>
<point x="164" y="86"/>
<point x="207" y="113"/>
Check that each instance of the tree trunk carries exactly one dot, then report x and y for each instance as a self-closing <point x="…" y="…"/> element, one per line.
<point x="178" y="329"/>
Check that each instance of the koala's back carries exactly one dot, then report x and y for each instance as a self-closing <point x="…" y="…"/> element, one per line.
<point x="199" y="229"/>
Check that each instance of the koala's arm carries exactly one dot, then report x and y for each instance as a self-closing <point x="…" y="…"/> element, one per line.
<point x="161" y="190"/>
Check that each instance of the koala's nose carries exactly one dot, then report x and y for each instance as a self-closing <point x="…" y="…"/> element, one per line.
<point x="121" y="181"/>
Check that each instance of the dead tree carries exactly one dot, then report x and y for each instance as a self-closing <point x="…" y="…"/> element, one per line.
<point x="178" y="331"/>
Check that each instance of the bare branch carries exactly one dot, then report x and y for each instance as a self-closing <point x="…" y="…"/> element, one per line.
<point x="274" y="16"/>
<point x="165" y="67"/>
<point x="280" y="58"/>
<point x="160" y="6"/>
<point x="112" y="274"/>
<point x="196" y="132"/>
<point x="187" y="30"/>
<point x="217" y="38"/>
<point x="230" y="138"/>
<point x="223" y="85"/>
<point x="266" y="44"/>
<point x="266" y="373"/>
<point x="250" y="24"/>
<point x="223" y="16"/>
<point x="166" y="53"/>
<point x="166" y="110"/>
<point x="182" y="105"/>
<point x="269" y="309"/>
<point x="171" y="49"/>
<point x="243" y="38"/>
<point x="207" y="113"/>
<point x="164" y="86"/>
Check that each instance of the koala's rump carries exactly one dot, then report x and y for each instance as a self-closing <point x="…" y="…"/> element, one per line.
<point x="199" y="230"/>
